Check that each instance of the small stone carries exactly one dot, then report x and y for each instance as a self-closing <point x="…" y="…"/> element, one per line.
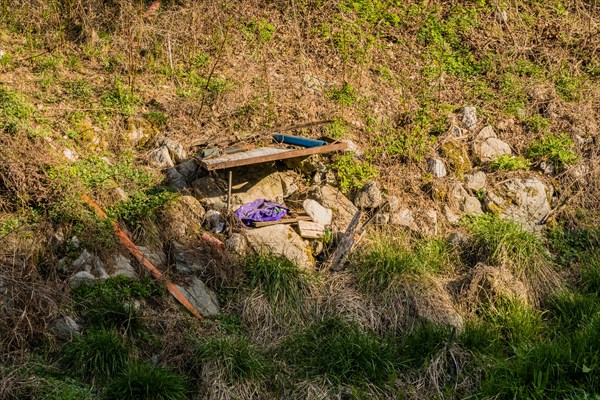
<point x="83" y="262"/>
<point x="317" y="212"/>
<point x="368" y="197"/>
<point x="469" y="117"/>
<point x="458" y="239"/>
<point x="160" y="158"/>
<point x="436" y="167"/>
<point x="451" y="216"/>
<point x="2" y="53"/>
<point x="123" y="267"/>
<point x="472" y="206"/>
<point x="65" y="328"/>
<point x="70" y="154"/>
<point x="547" y="167"/>
<point x="176" y="150"/>
<point x="237" y="244"/>
<point x="486" y="133"/>
<point x="175" y="179"/>
<point x="403" y="218"/>
<point x="502" y="16"/>
<point x="491" y="149"/>
<point x="75" y="242"/>
<point x="82" y="278"/>
<point x="475" y="181"/>
<point x="381" y="219"/>
<point x="394" y="203"/>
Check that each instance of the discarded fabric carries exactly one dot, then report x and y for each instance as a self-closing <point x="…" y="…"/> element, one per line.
<point x="261" y="210"/>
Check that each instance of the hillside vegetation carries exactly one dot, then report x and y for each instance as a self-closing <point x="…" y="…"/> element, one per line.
<point x="453" y="304"/>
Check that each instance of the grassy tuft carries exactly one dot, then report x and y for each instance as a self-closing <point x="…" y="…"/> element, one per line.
<point x="343" y="352"/>
<point x="280" y="279"/>
<point x="15" y="111"/>
<point x="99" y="354"/>
<point x="236" y="356"/>
<point x="514" y="321"/>
<point x="143" y="381"/>
<point x="424" y="341"/>
<point x="345" y="95"/>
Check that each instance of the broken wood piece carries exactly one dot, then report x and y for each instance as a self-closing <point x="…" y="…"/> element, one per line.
<point x="284" y="221"/>
<point x="266" y="154"/>
<point x="213" y="241"/>
<point x="310" y="230"/>
<point x="344" y="248"/>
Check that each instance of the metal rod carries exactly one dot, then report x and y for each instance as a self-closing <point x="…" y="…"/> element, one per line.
<point x="229" y="191"/>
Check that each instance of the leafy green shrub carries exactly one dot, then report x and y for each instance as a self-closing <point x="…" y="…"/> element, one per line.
<point x="143" y="381"/>
<point x="235" y="355"/>
<point x="345" y="95"/>
<point x="507" y="162"/>
<point x="100" y="354"/>
<point x="387" y="259"/>
<point x="568" y="86"/>
<point x="555" y="149"/>
<point x="343" y="352"/>
<point x="352" y="173"/>
<point x="279" y="278"/>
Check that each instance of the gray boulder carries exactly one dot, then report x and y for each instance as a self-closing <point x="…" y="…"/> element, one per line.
<point x="368" y="197"/>
<point x="460" y="199"/>
<point x="160" y="158"/>
<point x="317" y="212"/>
<point x="156" y="256"/>
<point x="189" y="169"/>
<point x="185" y="262"/>
<point x="343" y="209"/>
<point x="475" y="181"/>
<point x="202" y="298"/>
<point x="490" y="149"/>
<point x="175" y="179"/>
<point x="281" y="240"/>
<point x="82" y="278"/>
<point x="211" y="192"/>
<point x="65" y="328"/>
<point x="176" y="150"/>
<point x="123" y="267"/>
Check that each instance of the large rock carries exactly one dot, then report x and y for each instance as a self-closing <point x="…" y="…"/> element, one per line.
<point x="176" y="150"/>
<point x="475" y="181"/>
<point x="281" y="240"/>
<point x="403" y="218"/>
<point x="189" y="169"/>
<point x="160" y="158"/>
<point x="368" y="197"/>
<point x="65" y="328"/>
<point x="156" y="256"/>
<point x="123" y="267"/>
<point x="175" y="179"/>
<point x="274" y="186"/>
<point x="182" y="220"/>
<point x="82" y="278"/>
<point x="525" y="201"/>
<point x="343" y="209"/>
<point x="490" y="149"/>
<point x="211" y="192"/>
<point x="202" y="298"/>
<point x="457" y="154"/>
<point x="184" y="260"/>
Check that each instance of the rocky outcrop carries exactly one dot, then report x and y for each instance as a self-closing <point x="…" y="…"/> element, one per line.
<point x="201" y="297"/>
<point x="281" y="240"/>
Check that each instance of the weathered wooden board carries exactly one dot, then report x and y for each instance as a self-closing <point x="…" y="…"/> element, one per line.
<point x="266" y="154"/>
<point x="281" y="221"/>
<point x="310" y="230"/>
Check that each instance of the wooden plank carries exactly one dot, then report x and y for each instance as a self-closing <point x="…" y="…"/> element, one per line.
<point x="266" y="154"/>
<point x="281" y="221"/>
<point x="310" y="229"/>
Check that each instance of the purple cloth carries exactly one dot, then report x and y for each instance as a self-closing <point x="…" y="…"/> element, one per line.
<point x="261" y="210"/>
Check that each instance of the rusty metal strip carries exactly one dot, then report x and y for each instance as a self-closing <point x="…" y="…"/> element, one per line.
<point x="142" y="259"/>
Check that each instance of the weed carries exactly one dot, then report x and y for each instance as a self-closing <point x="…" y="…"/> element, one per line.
<point x="537" y="124"/>
<point x="388" y="259"/>
<point x="261" y="29"/>
<point x="141" y="206"/>
<point x="343" y="352"/>
<point x="481" y="337"/>
<point x="143" y="381"/>
<point x="282" y="281"/>
<point x="508" y="162"/>
<point x="50" y="388"/>
<point x="235" y="355"/>
<point x="352" y="174"/>
<point x="156" y="118"/>
<point x="80" y="88"/>
<point x="557" y="149"/>
<point x="345" y="95"/>
<point x="500" y="242"/>
<point x="574" y="245"/>
<point x="337" y="129"/>
<point x="121" y="99"/>
<point x="568" y="86"/>
<point x="513" y="90"/>
<point x="15" y="112"/>
<point x="199" y="60"/>
<point x="589" y="280"/>
<point x="99" y="354"/>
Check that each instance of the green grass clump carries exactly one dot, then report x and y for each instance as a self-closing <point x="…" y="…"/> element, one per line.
<point x="99" y="354"/>
<point x="143" y="381"/>
<point x="557" y="149"/>
<point x="507" y="162"/>
<point x="15" y="112"/>
<point x="424" y="341"/>
<point x="345" y="95"/>
<point x="499" y="242"/>
<point x="281" y="280"/>
<point x="62" y="389"/>
<point x="141" y="206"/>
<point x="343" y="352"/>
<point x="351" y="173"/>
<point x="515" y="321"/>
<point x="121" y="99"/>
<point x="236" y="356"/>
<point x="386" y="260"/>
<point x="569" y="311"/>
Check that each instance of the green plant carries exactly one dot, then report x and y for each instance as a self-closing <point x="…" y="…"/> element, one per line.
<point x="141" y="206"/>
<point x="387" y="259"/>
<point x="80" y="88"/>
<point x="99" y="354"/>
<point x="353" y="173"/>
<point x="568" y="86"/>
<point x="570" y="311"/>
<point x="508" y="162"/>
<point x="15" y="111"/>
<point x="236" y="356"/>
<point x="50" y="388"/>
<point x="337" y="129"/>
<point x="557" y="149"/>
<point x="143" y="381"/>
<point x="345" y="95"/>
<point x="424" y="341"/>
<point x="279" y="278"/>
<point x="342" y="352"/>
<point x="261" y="29"/>
<point x="515" y="321"/>
<point x="156" y="118"/>
<point x="121" y="99"/>
<point x="536" y="123"/>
